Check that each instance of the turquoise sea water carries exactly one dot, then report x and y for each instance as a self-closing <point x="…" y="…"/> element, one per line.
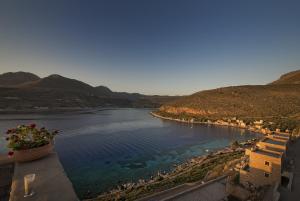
<point x="100" y="149"/>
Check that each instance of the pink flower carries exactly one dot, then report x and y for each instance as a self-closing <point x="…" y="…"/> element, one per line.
<point x="10" y="154"/>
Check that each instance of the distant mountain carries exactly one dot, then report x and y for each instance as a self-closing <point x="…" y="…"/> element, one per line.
<point x="58" y="82"/>
<point x="281" y="99"/>
<point x="104" y="91"/>
<point x="289" y="78"/>
<point x="56" y="91"/>
<point x="17" y="78"/>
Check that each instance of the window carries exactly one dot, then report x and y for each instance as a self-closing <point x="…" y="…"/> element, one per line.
<point x="267" y="174"/>
<point x="267" y="163"/>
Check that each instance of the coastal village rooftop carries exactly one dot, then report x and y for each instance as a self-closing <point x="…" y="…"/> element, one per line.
<point x="264" y="167"/>
<point x="274" y="149"/>
<point x="268" y="153"/>
<point x="280" y="136"/>
<point x="275" y="142"/>
<point x="272" y="144"/>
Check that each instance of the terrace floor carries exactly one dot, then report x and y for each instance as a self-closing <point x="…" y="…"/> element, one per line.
<point x="51" y="183"/>
<point x="210" y="191"/>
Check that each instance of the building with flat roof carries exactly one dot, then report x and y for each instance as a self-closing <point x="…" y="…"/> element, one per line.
<point x="265" y="161"/>
<point x="269" y="143"/>
<point x="264" y="167"/>
<point x="280" y="136"/>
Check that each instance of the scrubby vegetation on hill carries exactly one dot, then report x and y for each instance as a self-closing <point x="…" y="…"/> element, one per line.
<point x="26" y="91"/>
<point x="13" y="79"/>
<point x="273" y="102"/>
<point x="241" y="101"/>
<point x="289" y="78"/>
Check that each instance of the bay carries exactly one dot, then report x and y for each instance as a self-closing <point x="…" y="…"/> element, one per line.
<point x="102" y="148"/>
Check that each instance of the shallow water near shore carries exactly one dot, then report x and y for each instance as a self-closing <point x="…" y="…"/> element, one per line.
<point x="100" y="149"/>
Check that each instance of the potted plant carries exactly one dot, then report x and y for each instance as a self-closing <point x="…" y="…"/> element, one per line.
<point x="29" y="143"/>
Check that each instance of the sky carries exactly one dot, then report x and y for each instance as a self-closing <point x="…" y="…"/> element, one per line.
<point x="164" y="47"/>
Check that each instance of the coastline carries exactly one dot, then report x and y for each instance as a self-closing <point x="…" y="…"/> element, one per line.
<point x="197" y="170"/>
<point x="130" y="190"/>
<point x="206" y="123"/>
<point x="175" y="178"/>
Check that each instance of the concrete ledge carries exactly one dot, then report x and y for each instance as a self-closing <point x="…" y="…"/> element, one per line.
<point x="51" y="182"/>
<point x="194" y="188"/>
<point x="179" y="190"/>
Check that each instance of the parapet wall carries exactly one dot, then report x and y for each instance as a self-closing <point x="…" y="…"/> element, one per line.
<point x="51" y="183"/>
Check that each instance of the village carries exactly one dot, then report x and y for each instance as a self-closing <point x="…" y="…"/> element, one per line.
<point x="259" y="126"/>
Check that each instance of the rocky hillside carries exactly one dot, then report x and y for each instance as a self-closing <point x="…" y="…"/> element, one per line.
<point x="13" y="79"/>
<point x="33" y="93"/>
<point x="289" y="78"/>
<point x="280" y="99"/>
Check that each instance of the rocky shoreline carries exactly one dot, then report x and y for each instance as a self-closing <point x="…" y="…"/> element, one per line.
<point x="197" y="169"/>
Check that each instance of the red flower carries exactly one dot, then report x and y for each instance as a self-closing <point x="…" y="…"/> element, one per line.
<point x="32" y="125"/>
<point x="8" y="131"/>
<point x="10" y="153"/>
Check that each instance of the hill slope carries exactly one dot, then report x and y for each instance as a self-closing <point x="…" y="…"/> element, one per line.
<point x="289" y="78"/>
<point x="17" y="78"/>
<point x="241" y="101"/>
<point x="55" y="91"/>
<point x="61" y="83"/>
<point x="281" y="99"/>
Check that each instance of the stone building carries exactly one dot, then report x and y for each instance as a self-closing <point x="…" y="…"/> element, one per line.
<point x="265" y="161"/>
<point x="264" y="168"/>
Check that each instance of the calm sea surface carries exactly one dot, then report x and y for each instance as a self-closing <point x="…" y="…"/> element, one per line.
<point x="102" y="148"/>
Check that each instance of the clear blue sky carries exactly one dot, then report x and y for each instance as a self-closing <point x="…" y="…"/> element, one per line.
<point x="152" y="46"/>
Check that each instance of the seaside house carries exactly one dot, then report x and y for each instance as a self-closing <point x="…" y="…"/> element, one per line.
<point x="264" y="167"/>
<point x="258" y="124"/>
<point x="242" y="124"/>
<point x="266" y="131"/>
<point x="222" y="122"/>
<point x="265" y="161"/>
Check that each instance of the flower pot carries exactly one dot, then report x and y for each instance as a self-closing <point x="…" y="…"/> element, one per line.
<point x="33" y="154"/>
